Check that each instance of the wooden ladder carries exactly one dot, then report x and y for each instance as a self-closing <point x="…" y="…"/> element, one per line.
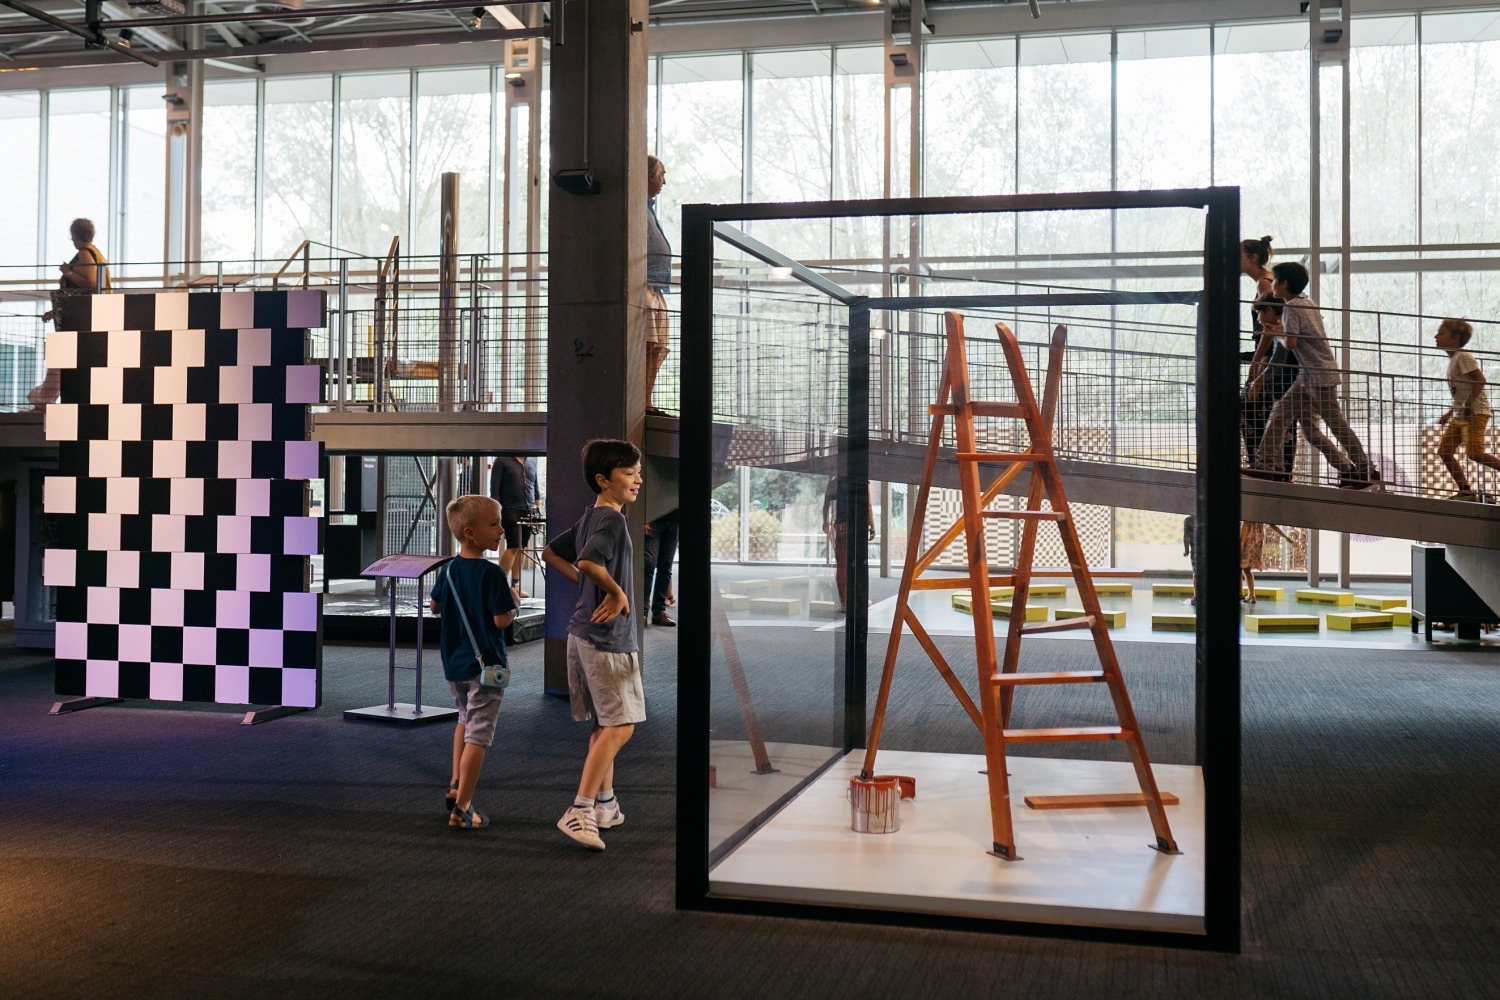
<point x="998" y="681"/>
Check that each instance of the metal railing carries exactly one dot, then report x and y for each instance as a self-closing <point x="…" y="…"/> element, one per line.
<point x="1128" y="393"/>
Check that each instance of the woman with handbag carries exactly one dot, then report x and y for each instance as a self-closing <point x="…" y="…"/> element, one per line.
<point x="84" y="275"/>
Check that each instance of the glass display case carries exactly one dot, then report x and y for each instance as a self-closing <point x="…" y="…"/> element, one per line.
<point x="916" y="452"/>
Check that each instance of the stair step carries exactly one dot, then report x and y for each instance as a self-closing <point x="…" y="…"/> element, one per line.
<point x="1063" y="735"/>
<point x="1050" y="677"/>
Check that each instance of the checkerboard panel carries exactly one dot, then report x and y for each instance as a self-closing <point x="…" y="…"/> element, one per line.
<point x="180" y="511"/>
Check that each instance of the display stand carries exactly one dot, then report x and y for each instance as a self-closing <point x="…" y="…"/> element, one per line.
<point x="404" y="567"/>
<point x="999" y="678"/>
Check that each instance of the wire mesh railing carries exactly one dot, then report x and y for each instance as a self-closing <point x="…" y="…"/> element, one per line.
<point x="1128" y="395"/>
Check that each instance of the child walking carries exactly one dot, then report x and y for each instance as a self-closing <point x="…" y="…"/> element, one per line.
<point x="604" y="671"/>
<point x="473" y="589"/>
<point x="1253" y="553"/>
<point x="1313" y="395"/>
<point x="1464" y="422"/>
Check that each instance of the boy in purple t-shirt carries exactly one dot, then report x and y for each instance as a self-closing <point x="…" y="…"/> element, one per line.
<point x="604" y="670"/>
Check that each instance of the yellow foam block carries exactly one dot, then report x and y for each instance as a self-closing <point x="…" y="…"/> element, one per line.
<point x="1173" y="623"/>
<point x="1283" y="623"/>
<point x="1333" y="598"/>
<point x="789" y="586"/>
<point x="1049" y="590"/>
<point x="1359" y="621"/>
<point x="999" y="592"/>
<point x="1400" y="616"/>
<point x="1034" y="612"/>
<point x="775" y="606"/>
<point x="735" y="602"/>
<point x="1114" y="589"/>
<point x="822" y="609"/>
<point x="1111" y="619"/>
<point x="1171" y="590"/>
<point x="1379" y="602"/>
<point x="754" y="587"/>
<point x="1270" y="593"/>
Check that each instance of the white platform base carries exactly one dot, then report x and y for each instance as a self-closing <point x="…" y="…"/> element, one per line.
<point x="1093" y="867"/>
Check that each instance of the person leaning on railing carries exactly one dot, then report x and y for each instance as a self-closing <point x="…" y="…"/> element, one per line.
<point x="85" y="274"/>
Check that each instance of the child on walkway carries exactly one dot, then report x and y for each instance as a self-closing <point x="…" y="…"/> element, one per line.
<point x="1313" y="396"/>
<point x="473" y="587"/>
<point x="1253" y="553"/>
<point x="604" y="671"/>
<point x="1464" y="422"/>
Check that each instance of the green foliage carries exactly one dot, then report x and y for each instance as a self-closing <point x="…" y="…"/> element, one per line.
<point x="765" y="536"/>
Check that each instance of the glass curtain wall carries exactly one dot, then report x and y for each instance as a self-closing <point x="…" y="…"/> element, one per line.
<point x="453" y="109"/>
<point x="229" y="140"/>
<point x="374" y="161"/>
<point x="298" y="164"/>
<point x="143" y="186"/>
<point x="20" y="137"/>
<point x="78" y="167"/>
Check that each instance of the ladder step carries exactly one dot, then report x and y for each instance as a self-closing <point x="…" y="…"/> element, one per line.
<point x="980" y="409"/>
<point x="1050" y="677"/>
<point x="1025" y="515"/>
<point x="1065" y="625"/>
<point x="1002" y="456"/>
<point x="1063" y="735"/>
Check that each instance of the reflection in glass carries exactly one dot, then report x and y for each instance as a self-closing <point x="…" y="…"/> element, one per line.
<point x="299" y="144"/>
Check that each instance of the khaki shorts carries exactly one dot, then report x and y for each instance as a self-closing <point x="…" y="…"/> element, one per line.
<point x="478" y="709"/>
<point x="656" y="318"/>
<point x="604" y="686"/>
<point x="1468" y="431"/>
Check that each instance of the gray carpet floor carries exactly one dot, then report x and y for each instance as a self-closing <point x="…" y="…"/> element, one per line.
<point x="157" y="851"/>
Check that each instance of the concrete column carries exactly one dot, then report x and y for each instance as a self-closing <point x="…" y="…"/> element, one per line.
<point x="596" y="359"/>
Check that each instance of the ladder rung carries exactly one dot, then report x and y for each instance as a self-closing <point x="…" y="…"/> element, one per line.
<point x="1025" y="515"/>
<point x="1062" y="735"/>
<point x="979" y="409"/>
<point x="1086" y="621"/>
<point x="1050" y="677"/>
<point x="955" y="582"/>
<point x="1002" y="456"/>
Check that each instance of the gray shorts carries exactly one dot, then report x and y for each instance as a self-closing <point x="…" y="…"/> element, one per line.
<point x="478" y="708"/>
<point x="604" y="686"/>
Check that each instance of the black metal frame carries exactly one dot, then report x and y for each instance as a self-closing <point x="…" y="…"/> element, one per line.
<point x="1218" y="514"/>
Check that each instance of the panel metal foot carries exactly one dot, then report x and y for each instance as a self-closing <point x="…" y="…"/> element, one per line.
<point x="1165" y="847"/>
<point x="256" y="716"/>
<point x="402" y="714"/>
<point x="79" y="704"/>
<point x="765" y="768"/>
<point x="1005" y="853"/>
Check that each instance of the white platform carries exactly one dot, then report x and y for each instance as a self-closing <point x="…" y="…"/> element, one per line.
<point x="1093" y="867"/>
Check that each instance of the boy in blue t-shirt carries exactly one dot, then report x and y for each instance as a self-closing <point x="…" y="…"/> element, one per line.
<point x="604" y="671"/>
<point x="472" y="586"/>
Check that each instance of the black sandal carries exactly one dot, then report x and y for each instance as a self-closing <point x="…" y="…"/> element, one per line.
<point x="468" y="819"/>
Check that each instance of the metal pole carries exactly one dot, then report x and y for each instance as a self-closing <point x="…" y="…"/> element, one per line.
<point x="448" y="295"/>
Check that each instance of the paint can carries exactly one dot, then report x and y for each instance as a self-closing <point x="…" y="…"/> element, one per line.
<point x="875" y="805"/>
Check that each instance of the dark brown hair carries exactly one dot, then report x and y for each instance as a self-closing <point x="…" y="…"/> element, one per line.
<point x="1259" y="250"/>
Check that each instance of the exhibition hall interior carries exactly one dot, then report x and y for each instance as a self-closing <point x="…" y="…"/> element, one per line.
<point x="1003" y="490"/>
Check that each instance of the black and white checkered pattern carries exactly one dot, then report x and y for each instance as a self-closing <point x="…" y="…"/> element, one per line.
<point x="179" y="517"/>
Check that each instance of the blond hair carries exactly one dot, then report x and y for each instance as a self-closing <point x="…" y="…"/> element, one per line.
<point x="1461" y="328"/>
<point x="466" y="511"/>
